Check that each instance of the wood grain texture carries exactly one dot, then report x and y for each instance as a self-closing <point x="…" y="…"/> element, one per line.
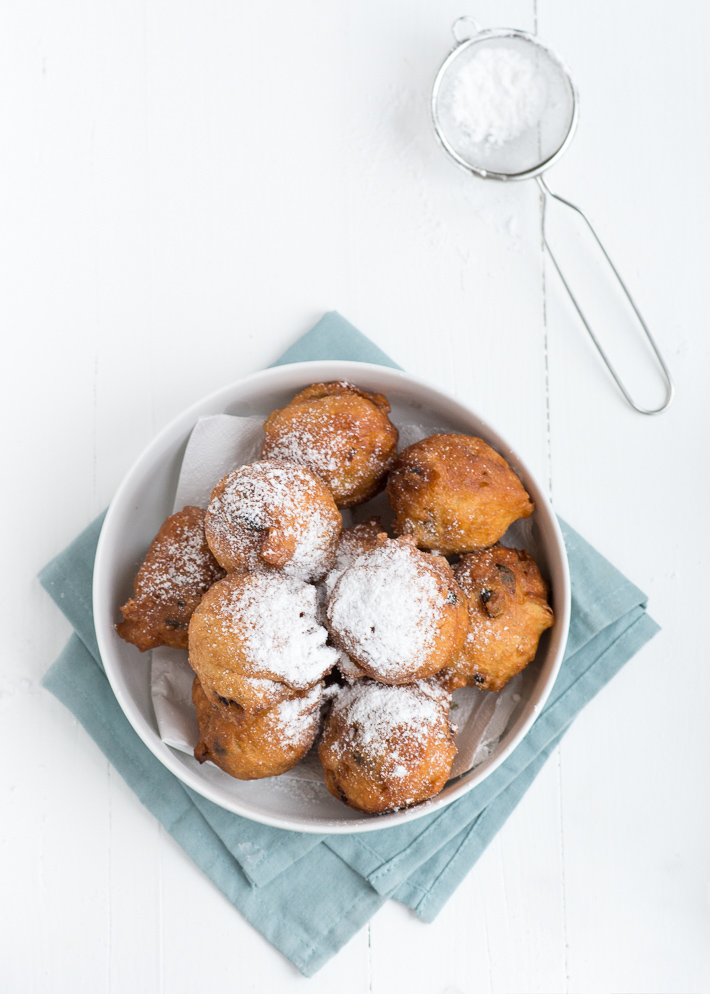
<point x="184" y="189"/>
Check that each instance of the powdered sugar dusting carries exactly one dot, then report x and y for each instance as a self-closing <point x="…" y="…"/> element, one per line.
<point x="183" y="564"/>
<point x="352" y="544"/>
<point x="280" y="496"/>
<point x="483" y="632"/>
<point x="385" y="603"/>
<point x="348" y="669"/>
<point x="390" y="724"/>
<point x="295" y="722"/>
<point x="328" y="454"/>
<point x="330" y="446"/>
<point x="273" y="617"/>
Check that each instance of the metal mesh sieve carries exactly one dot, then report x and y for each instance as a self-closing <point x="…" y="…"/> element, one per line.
<point x="534" y="147"/>
<point x="514" y="125"/>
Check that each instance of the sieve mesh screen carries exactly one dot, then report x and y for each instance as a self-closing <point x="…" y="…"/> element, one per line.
<point x="503" y="104"/>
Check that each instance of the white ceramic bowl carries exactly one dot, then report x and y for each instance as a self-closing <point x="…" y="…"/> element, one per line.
<point x="145" y="499"/>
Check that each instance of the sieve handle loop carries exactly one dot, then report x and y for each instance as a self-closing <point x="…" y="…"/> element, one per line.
<point x="670" y="388"/>
<point x="464" y="28"/>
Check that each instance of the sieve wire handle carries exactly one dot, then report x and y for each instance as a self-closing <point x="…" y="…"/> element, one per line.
<point x="670" y="389"/>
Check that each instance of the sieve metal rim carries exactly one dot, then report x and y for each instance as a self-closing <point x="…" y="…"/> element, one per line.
<point x="458" y="49"/>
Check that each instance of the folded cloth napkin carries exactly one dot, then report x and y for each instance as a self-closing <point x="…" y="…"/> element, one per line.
<point x="308" y="894"/>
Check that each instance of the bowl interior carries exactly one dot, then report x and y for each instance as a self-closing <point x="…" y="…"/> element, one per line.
<point x="145" y="499"/>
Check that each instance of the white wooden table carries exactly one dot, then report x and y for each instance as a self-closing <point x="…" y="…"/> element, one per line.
<point x="185" y="189"/>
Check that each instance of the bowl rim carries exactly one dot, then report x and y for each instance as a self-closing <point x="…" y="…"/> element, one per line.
<point x="104" y="610"/>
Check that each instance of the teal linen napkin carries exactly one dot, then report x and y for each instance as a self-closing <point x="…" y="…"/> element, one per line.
<point x="308" y="894"/>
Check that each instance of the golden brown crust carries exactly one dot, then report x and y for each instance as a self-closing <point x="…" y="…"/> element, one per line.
<point x="254" y="746"/>
<point x="454" y="494"/>
<point x="359" y="538"/>
<point x="508" y="612"/>
<point x="387" y="747"/>
<point x="339" y="432"/>
<point x="273" y="515"/>
<point x="177" y="571"/>
<point x="398" y="612"/>
<point x="318" y="390"/>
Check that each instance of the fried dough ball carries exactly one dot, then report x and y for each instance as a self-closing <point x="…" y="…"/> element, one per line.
<point x="255" y="640"/>
<point x="454" y="494"/>
<point x="349" y="670"/>
<point x="273" y="515"/>
<point x="339" y="432"/>
<point x="177" y="570"/>
<point x="387" y="747"/>
<point x="257" y="745"/>
<point x="351" y="544"/>
<point x="508" y="612"/>
<point x="398" y="612"/>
